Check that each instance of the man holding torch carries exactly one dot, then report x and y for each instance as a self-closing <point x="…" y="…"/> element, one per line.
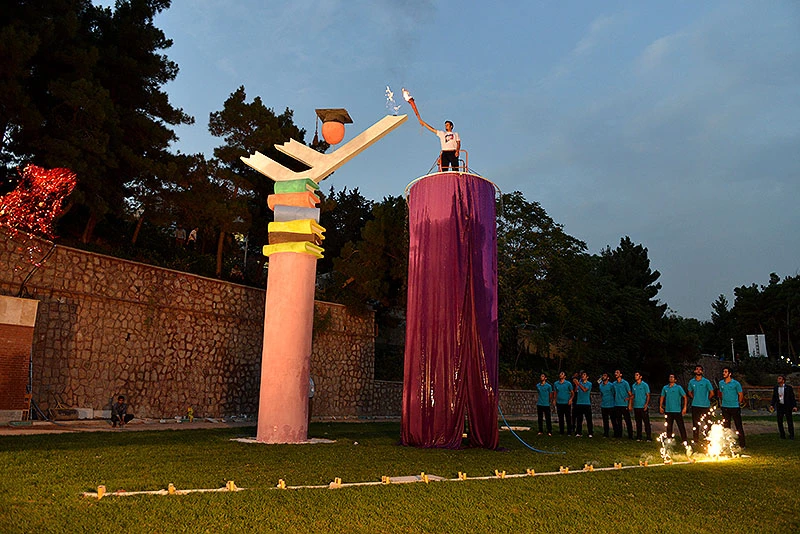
<point x="450" y="141"/>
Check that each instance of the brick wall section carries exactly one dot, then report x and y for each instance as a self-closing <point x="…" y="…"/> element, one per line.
<point x="170" y="340"/>
<point x="15" y="353"/>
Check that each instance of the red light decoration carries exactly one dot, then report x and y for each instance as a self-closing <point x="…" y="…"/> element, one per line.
<point x="32" y="207"/>
<point x="37" y="201"/>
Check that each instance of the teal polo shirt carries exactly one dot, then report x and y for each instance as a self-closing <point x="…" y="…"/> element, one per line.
<point x="606" y="395"/>
<point x="563" y="389"/>
<point x="640" y="392"/>
<point x="582" y="397"/>
<point x="672" y="398"/>
<point x="622" y="391"/>
<point x="544" y="393"/>
<point x="700" y="389"/>
<point x="730" y="393"/>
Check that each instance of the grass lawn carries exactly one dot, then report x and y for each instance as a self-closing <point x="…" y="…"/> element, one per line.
<point x="42" y="478"/>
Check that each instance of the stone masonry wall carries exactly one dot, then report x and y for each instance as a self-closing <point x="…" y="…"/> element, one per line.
<point x="513" y="402"/>
<point x="169" y="340"/>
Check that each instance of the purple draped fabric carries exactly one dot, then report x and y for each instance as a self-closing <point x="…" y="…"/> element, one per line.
<point x="451" y="362"/>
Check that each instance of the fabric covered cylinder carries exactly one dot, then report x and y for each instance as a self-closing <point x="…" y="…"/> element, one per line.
<point x="451" y="352"/>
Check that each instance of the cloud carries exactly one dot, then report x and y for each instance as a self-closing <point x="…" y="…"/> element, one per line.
<point x="600" y="32"/>
<point x="654" y="55"/>
<point x="690" y="148"/>
<point x="599" y="29"/>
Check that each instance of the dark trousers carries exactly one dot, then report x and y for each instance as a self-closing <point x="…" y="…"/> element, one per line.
<point x="675" y="417"/>
<point x="699" y="423"/>
<point x="782" y="411"/>
<point x="608" y="415"/>
<point x="734" y="415"/>
<point x="642" y="415"/>
<point x="125" y="419"/>
<point x="564" y="412"/>
<point x="449" y="160"/>
<point x="544" y="411"/>
<point x="620" y="413"/>
<point x="583" y="411"/>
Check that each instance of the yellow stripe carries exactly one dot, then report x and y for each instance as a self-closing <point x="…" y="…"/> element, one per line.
<point x="298" y="247"/>
<point x="299" y="226"/>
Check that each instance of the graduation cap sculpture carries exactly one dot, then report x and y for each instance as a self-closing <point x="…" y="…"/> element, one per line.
<point x="295" y="244"/>
<point x="333" y="121"/>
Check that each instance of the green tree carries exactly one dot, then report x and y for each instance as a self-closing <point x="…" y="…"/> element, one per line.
<point x="374" y="270"/>
<point x="632" y="330"/>
<point x="343" y="214"/>
<point x="722" y="327"/>
<point x="371" y="272"/>
<point x="247" y="127"/>
<point x="85" y="92"/>
<point x="541" y="270"/>
<point x="772" y="310"/>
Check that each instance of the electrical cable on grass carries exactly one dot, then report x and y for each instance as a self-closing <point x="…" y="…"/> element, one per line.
<point x="534" y="449"/>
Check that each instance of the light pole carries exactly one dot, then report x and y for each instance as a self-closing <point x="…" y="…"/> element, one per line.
<point x="733" y="354"/>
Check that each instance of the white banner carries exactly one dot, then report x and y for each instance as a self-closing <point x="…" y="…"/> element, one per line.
<point x="757" y="346"/>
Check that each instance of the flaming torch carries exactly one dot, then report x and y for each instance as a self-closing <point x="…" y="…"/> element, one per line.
<point x="410" y="100"/>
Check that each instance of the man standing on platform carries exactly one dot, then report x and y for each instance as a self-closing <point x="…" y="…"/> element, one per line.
<point x="641" y="406"/>
<point x="672" y="404"/>
<point x="543" y="404"/>
<point x="622" y="405"/>
<point x="564" y="395"/>
<point x="451" y="145"/>
<point x="730" y="391"/>
<point x="701" y="391"/>
<point x="607" y="404"/>
<point x="784" y="403"/>
<point x="583" y="405"/>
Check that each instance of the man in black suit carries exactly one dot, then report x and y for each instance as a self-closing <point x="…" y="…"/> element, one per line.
<point x="784" y="403"/>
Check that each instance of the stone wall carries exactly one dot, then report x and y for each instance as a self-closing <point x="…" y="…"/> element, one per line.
<point x="168" y="340"/>
<point x="342" y="362"/>
<point x="513" y="402"/>
<point x="388" y="398"/>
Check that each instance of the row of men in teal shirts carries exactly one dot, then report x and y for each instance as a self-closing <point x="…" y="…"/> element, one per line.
<point x="618" y="398"/>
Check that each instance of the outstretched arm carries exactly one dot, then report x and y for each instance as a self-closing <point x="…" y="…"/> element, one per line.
<point x="426" y="125"/>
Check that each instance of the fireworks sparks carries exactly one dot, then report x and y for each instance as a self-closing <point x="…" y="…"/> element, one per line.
<point x="718" y="442"/>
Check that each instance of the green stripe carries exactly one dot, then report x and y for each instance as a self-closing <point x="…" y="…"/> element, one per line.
<point x="296" y="186"/>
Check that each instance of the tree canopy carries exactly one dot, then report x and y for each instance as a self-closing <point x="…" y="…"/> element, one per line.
<point x="84" y="91"/>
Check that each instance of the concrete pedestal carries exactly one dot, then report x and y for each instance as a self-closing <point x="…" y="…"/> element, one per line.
<point x="286" y="357"/>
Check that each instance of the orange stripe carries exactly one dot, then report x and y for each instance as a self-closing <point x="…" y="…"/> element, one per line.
<point x="305" y="199"/>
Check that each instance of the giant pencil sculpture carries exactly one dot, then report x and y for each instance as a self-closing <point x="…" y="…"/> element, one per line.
<point x="295" y="240"/>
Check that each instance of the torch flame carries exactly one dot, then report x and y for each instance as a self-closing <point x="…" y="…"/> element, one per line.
<point x="410" y="100"/>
